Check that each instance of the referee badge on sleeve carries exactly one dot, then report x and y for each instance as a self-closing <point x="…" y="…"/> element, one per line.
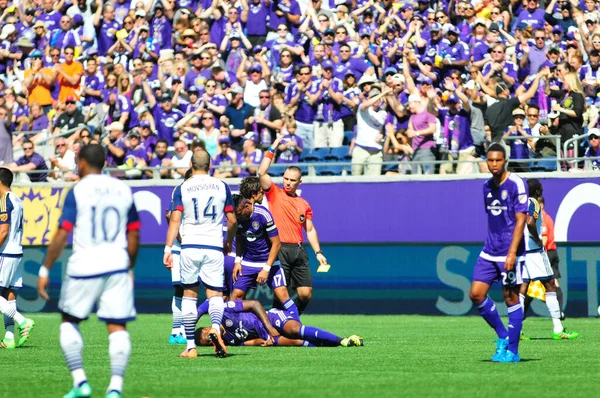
<point x="302" y="218"/>
<point x="4" y="217"/>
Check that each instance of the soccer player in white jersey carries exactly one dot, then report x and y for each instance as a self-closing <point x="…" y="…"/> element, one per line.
<point x="537" y="265"/>
<point x="200" y="204"/>
<point x="11" y="269"/>
<point x="105" y="224"/>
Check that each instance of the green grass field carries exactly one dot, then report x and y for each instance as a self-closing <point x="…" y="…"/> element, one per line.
<point x="404" y="356"/>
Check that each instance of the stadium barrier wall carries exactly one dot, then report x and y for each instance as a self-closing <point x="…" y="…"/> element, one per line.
<point x="401" y="246"/>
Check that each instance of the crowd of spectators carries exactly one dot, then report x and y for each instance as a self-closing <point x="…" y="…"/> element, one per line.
<point x="417" y="84"/>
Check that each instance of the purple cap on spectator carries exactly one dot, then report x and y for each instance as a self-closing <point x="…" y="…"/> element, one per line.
<point x="224" y="139"/>
<point x="255" y="68"/>
<point x="570" y="36"/>
<point x="390" y="70"/>
<point x="327" y="64"/>
<point x="558" y="29"/>
<point x="364" y="33"/>
<point x="425" y="80"/>
<point x="256" y="49"/>
<point x="452" y="29"/>
<point x="435" y="27"/>
<point x="144" y="124"/>
<point x="92" y="51"/>
<point x="453" y="98"/>
<point x="427" y="60"/>
<point x="406" y="7"/>
<point x="78" y="19"/>
<point x="192" y="89"/>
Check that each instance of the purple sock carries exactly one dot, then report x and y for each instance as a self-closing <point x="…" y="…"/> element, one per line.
<point x="319" y="337"/>
<point x="515" y="324"/>
<point x="290" y="307"/>
<point x="488" y="311"/>
<point x="307" y="344"/>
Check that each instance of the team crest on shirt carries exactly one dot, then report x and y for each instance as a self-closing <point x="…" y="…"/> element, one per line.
<point x="255" y="224"/>
<point x="302" y="218"/>
<point x="4" y="217"/>
<point x="523" y="198"/>
<point x="228" y="323"/>
<point x="504" y="194"/>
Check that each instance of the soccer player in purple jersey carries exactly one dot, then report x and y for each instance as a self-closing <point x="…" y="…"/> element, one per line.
<point x="505" y="198"/>
<point x="257" y="247"/>
<point x="245" y="322"/>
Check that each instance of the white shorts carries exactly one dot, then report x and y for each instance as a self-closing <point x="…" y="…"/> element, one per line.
<point x="537" y="267"/>
<point x="175" y="269"/>
<point x="11" y="272"/>
<point x="113" y="294"/>
<point x="202" y="265"/>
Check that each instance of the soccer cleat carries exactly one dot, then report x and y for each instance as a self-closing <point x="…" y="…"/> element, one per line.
<point x="172" y="339"/>
<point x="191" y="353"/>
<point x="181" y="339"/>
<point x="501" y="346"/>
<point x="25" y="330"/>
<point x="7" y="343"/>
<point x="84" y="390"/>
<point x="565" y="335"/>
<point x="510" y="357"/>
<point x="113" y="394"/>
<point x="352" y="341"/>
<point x="215" y="339"/>
<point x="523" y="337"/>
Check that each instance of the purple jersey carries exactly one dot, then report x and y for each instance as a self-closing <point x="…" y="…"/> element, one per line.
<point x="257" y="19"/>
<point x="40" y="165"/>
<point x="502" y="203"/>
<point x="165" y="121"/>
<point x="112" y="160"/>
<point x="239" y="325"/>
<point x="305" y="112"/>
<point x="291" y="154"/>
<point x="256" y="233"/>
<point x="106" y="35"/>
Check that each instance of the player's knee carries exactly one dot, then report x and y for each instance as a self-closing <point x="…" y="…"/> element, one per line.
<point x="550" y="285"/>
<point x="292" y="329"/>
<point x="476" y="297"/>
<point x="304" y="294"/>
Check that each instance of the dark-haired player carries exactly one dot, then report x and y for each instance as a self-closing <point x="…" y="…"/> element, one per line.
<point x="537" y="265"/>
<point x="105" y="224"/>
<point x="11" y="267"/>
<point x="292" y="213"/>
<point x="245" y="322"/>
<point x="503" y="254"/>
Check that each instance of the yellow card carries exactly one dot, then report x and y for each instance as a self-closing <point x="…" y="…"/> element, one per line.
<point x="323" y="268"/>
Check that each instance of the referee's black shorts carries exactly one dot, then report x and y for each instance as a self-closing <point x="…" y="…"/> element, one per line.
<point x="294" y="261"/>
<point x="554" y="260"/>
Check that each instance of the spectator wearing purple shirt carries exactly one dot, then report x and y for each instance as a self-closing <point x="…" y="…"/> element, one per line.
<point x="232" y="23"/>
<point x="161" y="158"/>
<point x="213" y="102"/>
<point x="499" y="67"/>
<point x="593" y="150"/>
<point x="256" y="28"/>
<point x="149" y="140"/>
<point x="106" y="26"/>
<point x="64" y="35"/>
<point x="38" y="119"/>
<point x="92" y="83"/>
<point x="136" y="154"/>
<point x="10" y="51"/>
<point x="291" y="145"/>
<point x="165" y="116"/>
<point x="357" y="65"/>
<point x="285" y="12"/>
<point x="226" y="157"/>
<point x="115" y="145"/>
<point x="532" y="15"/>
<point x="49" y="16"/>
<point x="455" y="53"/>
<point x="329" y="127"/>
<point x="302" y="94"/>
<point x="421" y="127"/>
<point x="30" y="161"/>
<point x="465" y="27"/>
<point x="144" y="46"/>
<point x="250" y="159"/>
<point x="276" y="46"/>
<point x="161" y="27"/>
<point x="519" y="148"/>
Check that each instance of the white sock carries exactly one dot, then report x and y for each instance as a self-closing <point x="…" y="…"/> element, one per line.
<point x="522" y="300"/>
<point x="119" y="350"/>
<point x="190" y="317"/>
<point x="71" y="343"/>
<point x="10" y="311"/>
<point x="177" y="317"/>
<point x="554" y="308"/>
<point x="9" y="323"/>
<point x="216" y="306"/>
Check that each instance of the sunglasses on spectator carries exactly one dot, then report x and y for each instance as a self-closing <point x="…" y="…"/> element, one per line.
<point x="204" y="57"/>
<point x="54" y="55"/>
<point x="211" y="85"/>
<point x="84" y="136"/>
<point x="128" y="22"/>
<point x="208" y="118"/>
<point x="69" y="53"/>
<point x="341" y="32"/>
<point x="590" y="22"/>
<point x="28" y="148"/>
<point x="60" y="145"/>
<point x="36" y="58"/>
<point x="533" y="115"/>
<point x="498" y="52"/>
<point x="70" y="102"/>
<point x="495" y="13"/>
<point x="265" y="96"/>
<point x="282" y="29"/>
<point x="304" y="73"/>
<point x="323" y="20"/>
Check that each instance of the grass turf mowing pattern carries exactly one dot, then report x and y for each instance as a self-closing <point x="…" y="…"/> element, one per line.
<point x="403" y="356"/>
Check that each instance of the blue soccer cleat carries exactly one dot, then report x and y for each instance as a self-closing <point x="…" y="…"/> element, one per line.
<point x="510" y="357"/>
<point x="113" y="394"/>
<point x="501" y="346"/>
<point x="84" y="390"/>
<point x="173" y="339"/>
<point x="181" y="339"/>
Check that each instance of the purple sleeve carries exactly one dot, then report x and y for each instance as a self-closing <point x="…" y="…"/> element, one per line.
<point x="512" y="71"/>
<point x="269" y="223"/>
<point x="520" y="197"/>
<point x="486" y="68"/>
<point x="21" y="161"/>
<point x="38" y="160"/>
<point x="295" y="8"/>
<point x="464" y="53"/>
<point x="69" y="213"/>
<point x="228" y="200"/>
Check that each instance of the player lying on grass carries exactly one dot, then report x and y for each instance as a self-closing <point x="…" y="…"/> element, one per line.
<point x="245" y="322"/>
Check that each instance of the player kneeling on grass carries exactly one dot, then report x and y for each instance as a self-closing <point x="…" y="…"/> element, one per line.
<point x="537" y="265"/>
<point x="257" y="247"/>
<point x="245" y="322"/>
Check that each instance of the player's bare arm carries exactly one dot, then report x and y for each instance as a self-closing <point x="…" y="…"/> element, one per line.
<point x="174" y="224"/>
<point x="265" y="179"/>
<point x="231" y="231"/>
<point x="133" y="244"/>
<point x="239" y="251"/>
<point x="54" y="250"/>
<point x="273" y="253"/>
<point x="313" y="239"/>
<point x="4" y="229"/>
<point x="257" y="309"/>
<point x="511" y="256"/>
<point x="532" y="228"/>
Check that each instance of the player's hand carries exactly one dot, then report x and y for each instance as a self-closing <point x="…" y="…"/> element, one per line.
<point x="322" y="259"/>
<point x="227" y="247"/>
<point x="273" y="332"/>
<point x="237" y="271"/>
<point x="42" y="287"/>
<point x="168" y="260"/>
<point x="268" y="342"/>
<point x="509" y="264"/>
<point x="262" y="277"/>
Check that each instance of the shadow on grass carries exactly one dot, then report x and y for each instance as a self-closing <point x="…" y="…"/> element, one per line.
<point x="213" y="355"/>
<point x="540" y="338"/>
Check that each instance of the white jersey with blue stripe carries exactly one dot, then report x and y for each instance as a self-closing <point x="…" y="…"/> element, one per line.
<point x="534" y="210"/>
<point x="203" y="201"/>
<point x="11" y="212"/>
<point x="99" y="210"/>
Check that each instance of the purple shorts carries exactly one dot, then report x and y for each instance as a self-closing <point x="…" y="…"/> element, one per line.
<point x="247" y="280"/>
<point x="279" y="318"/>
<point x="488" y="271"/>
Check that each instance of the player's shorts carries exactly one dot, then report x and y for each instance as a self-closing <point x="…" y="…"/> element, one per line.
<point x="11" y="272"/>
<point x="228" y="276"/>
<point x="490" y="269"/>
<point x="294" y="261"/>
<point x="537" y="267"/>
<point x="112" y="294"/>
<point x="247" y="280"/>
<point x="279" y="318"/>
<point x="202" y="265"/>
<point x="554" y="262"/>
<point x="176" y="268"/>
